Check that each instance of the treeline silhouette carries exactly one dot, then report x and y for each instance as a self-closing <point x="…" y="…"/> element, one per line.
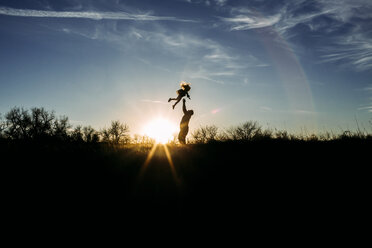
<point x="253" y="131"/>
<point x="54" y="169"/>
<point x="42" y="125"/>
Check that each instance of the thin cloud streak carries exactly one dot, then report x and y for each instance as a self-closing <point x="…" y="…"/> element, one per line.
<point x="207" y="59"/>
<point x="350" y="43"/>
<point x="242" y="22"/>
<point x="355" y="49"/>
<point x="86" y="15"/>
<point x="153" y="101"/>
<point x="367" y="107"/>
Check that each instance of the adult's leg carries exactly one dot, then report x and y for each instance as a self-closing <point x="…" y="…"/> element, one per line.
<point x="182" y="135"/>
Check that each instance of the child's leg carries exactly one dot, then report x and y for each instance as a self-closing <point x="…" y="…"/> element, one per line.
<point x="178" y="100"/>
<point x="172" y="99"/>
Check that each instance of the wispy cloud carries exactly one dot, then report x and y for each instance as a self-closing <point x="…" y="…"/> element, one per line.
<point x="367" y="107"/>
<point x="342" y="27"/>
<point x="153" y="101"/>
<point x="207" y="59"/>
<point x="265" y="109"/>
<point x="243" y="22"/>
<point x="86" y="15"/>
<point x="219" y="3"/>
<point x="353" y="49"/>
<point x="345" y="41"/>
<point x="304" y="112"/>
<point x="284" y="19"/>
<point x="368" y="89"/>
<point x="289" y="21"/>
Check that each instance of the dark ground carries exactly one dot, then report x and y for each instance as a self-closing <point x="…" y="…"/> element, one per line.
<point x="271" y="180"/>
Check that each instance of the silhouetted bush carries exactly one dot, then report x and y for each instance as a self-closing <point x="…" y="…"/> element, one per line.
<point x="117" y="133"/>
<point x="2" y="126"/>
<point x="90" y="135"/>
<point x="61" y="128"/>
<point x="40" y="124"/>
<point x="142" y="140"/>
<point x="283" y="135"/>
<point x="18" y="123"/>
<point x="247" y="131"/>
<point x="205" y="134"/>
<point x="37" y="124"/>
<point x="77" y="134"/>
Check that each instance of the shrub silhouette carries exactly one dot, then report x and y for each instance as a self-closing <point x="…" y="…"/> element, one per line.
<point x="77" y="134"/>
<point x="2" y="126"/>
<point x="18" y="123"/>
<point x="90" y="135"/>
<point x="205" y="134"/>
<point x="142" y="140"/>
<point x="40" y="124"/>
<point x="244" y="132"/>
<point x="61" y="128"/>
<point x="117" y="133"/>
<point x="37" y="124"/>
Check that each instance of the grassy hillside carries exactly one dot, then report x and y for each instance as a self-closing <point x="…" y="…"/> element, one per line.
<point x="228" y="178"/>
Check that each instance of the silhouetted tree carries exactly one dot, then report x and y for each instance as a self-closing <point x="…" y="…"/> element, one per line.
<point x="205" y="134"/>
<point x="106" y="136"/>
<point x="90" y="135"/>
<point x="37" y="124"/>
<point x="117" y="133"/>
<point x="284" y="135"/>
<point x="61" y="128"/>
<point x="266" y="134"/>
<point x="246" y="131"/>
<point x="77" y="134"/>
<point x="2" y="126"/>
<point x="18" y="123"/>
<point x="41" y="122"/>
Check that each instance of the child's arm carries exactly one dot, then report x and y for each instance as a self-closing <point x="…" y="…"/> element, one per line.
<point x="188" y="96"/>
<point x="184" y="107"/>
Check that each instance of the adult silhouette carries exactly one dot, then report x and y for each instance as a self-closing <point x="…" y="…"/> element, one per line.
<point x="184" y="125"/>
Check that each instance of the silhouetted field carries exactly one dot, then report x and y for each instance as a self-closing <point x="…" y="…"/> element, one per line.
<point x="264" y="179"/>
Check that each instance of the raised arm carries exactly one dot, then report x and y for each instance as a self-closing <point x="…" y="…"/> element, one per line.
<point x="184" y="106"/>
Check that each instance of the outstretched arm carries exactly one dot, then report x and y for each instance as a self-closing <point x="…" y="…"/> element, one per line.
<point x="188" y="96"/>
<point x="184" y="106"/>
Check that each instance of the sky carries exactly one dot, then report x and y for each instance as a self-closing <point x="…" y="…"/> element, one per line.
<point x="302" y="66"/>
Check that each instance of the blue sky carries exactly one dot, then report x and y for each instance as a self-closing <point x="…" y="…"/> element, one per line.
<point x="304" y="66"/>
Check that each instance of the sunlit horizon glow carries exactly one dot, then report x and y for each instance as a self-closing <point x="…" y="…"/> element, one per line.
<point x="161" y="130"/>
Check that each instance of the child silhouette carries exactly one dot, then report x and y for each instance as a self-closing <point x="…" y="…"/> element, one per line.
<point x="185" y="88"/>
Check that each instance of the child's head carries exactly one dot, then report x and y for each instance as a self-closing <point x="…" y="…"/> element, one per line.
<point x="185" y="86"/>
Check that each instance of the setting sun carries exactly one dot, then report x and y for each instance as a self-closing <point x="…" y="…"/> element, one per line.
<point x="161" y="130"/>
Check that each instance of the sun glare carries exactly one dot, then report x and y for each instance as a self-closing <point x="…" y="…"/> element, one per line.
<point x="160" y="130"/>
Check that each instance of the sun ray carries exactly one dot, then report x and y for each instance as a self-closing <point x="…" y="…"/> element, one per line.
<point x="147" y="161"/>
<point x="171" y="165"/>
<point x="169" y="159"/>
<point x="161" y="130"/>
